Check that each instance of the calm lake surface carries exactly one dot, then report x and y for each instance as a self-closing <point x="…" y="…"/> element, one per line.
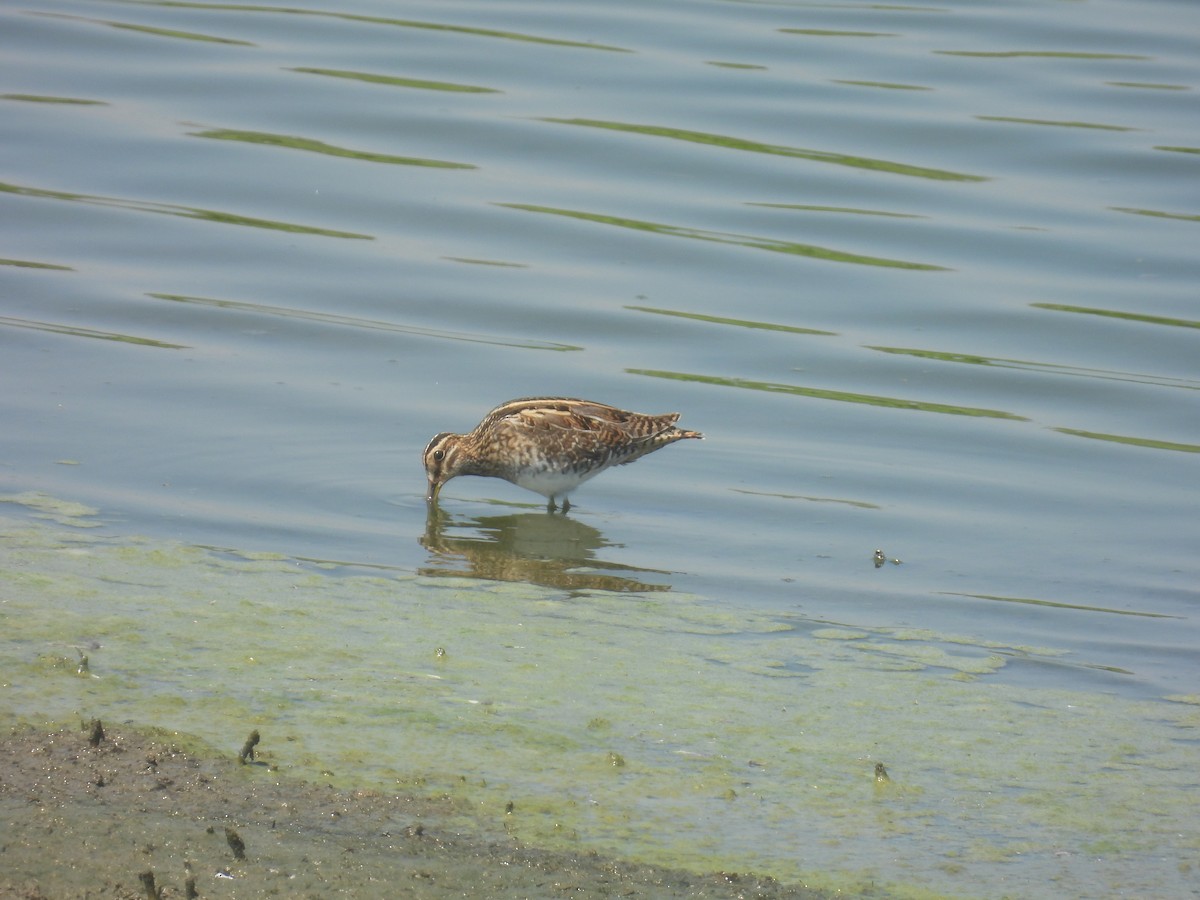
<point x="926" y="276"/>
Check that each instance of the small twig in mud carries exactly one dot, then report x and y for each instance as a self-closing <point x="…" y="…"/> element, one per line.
<point x="248" y="747"/>
<point x="236" y="844"/>
<point x="152" y="892"/>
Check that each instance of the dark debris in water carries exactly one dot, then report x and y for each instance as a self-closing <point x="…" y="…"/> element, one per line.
<point x="880" y="558"/>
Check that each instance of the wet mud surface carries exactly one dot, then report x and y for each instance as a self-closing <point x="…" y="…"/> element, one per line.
<point x="132" y="814"/>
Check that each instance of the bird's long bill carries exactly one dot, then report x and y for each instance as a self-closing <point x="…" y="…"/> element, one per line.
<point x="432" y="494"/>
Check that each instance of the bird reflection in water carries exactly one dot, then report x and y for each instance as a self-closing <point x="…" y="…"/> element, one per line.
<point x="552" y="551"/>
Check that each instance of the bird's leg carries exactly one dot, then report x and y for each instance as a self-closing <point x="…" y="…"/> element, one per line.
<point x="550" y="507"/>
<point x="566" y="504"/>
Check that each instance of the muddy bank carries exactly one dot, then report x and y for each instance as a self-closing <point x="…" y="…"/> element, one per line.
<point x="133" y="814"/>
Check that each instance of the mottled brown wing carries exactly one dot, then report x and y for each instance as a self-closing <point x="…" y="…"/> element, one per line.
<point x="549" y="412"/>
<point x="593" y="434"/>
<point x="529" y="412"/>
<point x="607" y="424"/>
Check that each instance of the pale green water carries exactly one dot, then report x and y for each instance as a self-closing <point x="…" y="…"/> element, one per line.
<point x="660" y="726"/>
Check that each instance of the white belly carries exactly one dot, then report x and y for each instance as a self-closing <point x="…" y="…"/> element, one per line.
<point x="551" y="483"/>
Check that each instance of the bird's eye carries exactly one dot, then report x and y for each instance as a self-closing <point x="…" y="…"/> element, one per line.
<point x="439" y="455"/>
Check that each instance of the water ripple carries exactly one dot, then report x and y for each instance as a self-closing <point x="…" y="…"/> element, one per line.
<point x="1151" y="443"/>
<point x="722" y="320"/>
<point x="805" y="207"/>
<point x="1015" y="120"/>
<point x="30" y="264"/>
<point x="1048" y="368"/>
<point x="150" y="30"/>
<point x="292" y="142"/>
<point x="887" y="85"/>
<point x="1060" y="605"/>
<point x="826" y="394"/>
<point x="384" y="20"/>
<point x="1118" y="314"/>
<point x="42" y="98"/>
<point x="396" y="81"/>
<point x="172" y="209"/>
<point x="1156" y="214"/>
<point x="721" y="237"/>
<point x="828" y="32"/>
<point x="371" y="324"/>
<point x="733" y="143"/>
<point x="77" y="331"/>
<point x="1039" y="54"/>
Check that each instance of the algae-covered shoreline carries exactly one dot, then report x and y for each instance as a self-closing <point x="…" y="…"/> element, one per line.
<point x="627" y="729"/>
<point x="170" y="644"/>
<point x="131" y="813"/>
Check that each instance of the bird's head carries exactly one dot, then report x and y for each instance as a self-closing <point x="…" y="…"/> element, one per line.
<point x="443" y="458"/>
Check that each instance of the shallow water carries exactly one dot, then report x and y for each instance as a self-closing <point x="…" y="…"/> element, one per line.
<point x="654" y="725"/>
<point x="925" y="276"/>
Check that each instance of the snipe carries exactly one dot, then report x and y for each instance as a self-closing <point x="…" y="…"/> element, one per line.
<point x="549" y="445"/>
